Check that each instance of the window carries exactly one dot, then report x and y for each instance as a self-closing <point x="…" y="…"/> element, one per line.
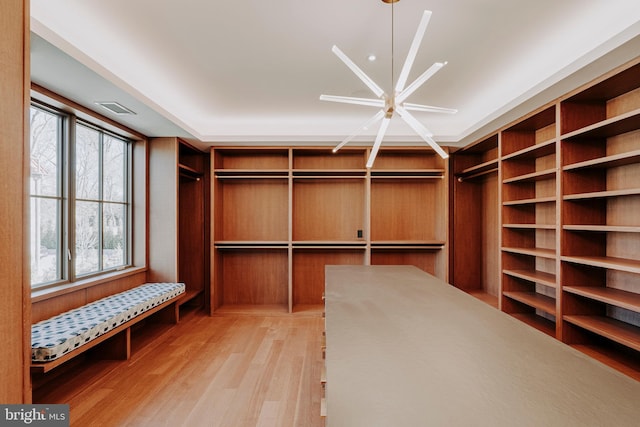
<point x="80" y="198"/>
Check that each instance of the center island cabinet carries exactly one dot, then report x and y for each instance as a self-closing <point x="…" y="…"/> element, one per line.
<point x="404" y="348"/>
<point x="280" y="214"/>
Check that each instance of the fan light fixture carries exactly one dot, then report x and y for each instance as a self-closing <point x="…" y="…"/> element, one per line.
<point x="394" y="103"/>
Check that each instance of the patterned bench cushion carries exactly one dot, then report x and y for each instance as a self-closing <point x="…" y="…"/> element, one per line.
<point x="67" y="331"/>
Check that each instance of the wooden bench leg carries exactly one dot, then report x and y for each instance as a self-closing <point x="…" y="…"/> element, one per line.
<point x="118" y="347"/>
<point x="169" y="314"/>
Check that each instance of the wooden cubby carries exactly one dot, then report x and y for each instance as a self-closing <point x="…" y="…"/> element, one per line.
<point x="306" y="207"/>
<point x="179" y="216"/>
<point x="475" y="225"/>
<point x="600" y="249"/>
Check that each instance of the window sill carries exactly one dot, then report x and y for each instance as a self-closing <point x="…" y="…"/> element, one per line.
<point x="44" y="294"/>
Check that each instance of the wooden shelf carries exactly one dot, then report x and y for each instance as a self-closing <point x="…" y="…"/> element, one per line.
<point x="541" y="277"/>
<point x="400" y="243"/>
<point x="611" y="161"/>
<point x="603" y="228"/>
<point x="628" y="364"/>
<point x="537" y="252"/>
<point x="306" y="244"/>
<point x="244" y="244"/>
<point x="189" y="171"/>
<point x="534" y="200"/>
<point x="334" y="173"/>
<point x="615" y="330"/>
<point x="602" y="194"/>
<point x="617" y="297"/>
<point x="479" y="170"/>
<point x="531" y="226"/>
<point x="621" y="264"/>
<point x="532" y="177"/>
<point x="408" y="173"/>
<point x="535" y="300"/>
<point x="251" y="174"/>
<point x="618" y="125"/>
<point x="538" y="150"/>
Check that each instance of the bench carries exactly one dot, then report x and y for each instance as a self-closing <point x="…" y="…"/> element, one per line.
<point x="107" y="321"/>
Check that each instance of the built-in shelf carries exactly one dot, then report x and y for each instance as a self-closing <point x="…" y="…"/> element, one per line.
<point x="541" y="277"/>
<point x="326" y="243"/>
<point x="621" y="264"/>
<point x="479" y="169"/>
<point x="537" y="150"/>
<point x="532" y="177"/>
<point x="615" y="330"/>
<point x="603" y="228"/>
<point x="617" y="297"/>
<point x="611" y="161"/>
<point x="617" y="125"/>
<point x="408" y="173"/>
<point x="189" y="171"/>
<point x="534" y="299"/>
<point x="333" y="173"/>
<point x="282" y="214"/>
<point x="250" y="174"/>
<point x="531" y="226"/>
<point x="240" y="244"/>
<point x="603" y="194"/>
<point x="530" y="201"/>
<point x="537" y="252"/>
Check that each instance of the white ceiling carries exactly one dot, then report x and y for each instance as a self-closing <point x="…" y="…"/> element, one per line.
<point x="251" y="71"/>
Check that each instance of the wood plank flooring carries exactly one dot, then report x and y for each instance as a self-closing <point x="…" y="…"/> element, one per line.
<point x="233" y="369"/>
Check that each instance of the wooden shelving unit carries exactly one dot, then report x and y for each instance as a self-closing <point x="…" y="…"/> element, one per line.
<point x="569" y="198"/>
<point x="250" y="227"/>
<point x="291" y="211"/>
<point x="474" y="255"/>
<point x="600" y="252"/>
<point x="529" y="211"/>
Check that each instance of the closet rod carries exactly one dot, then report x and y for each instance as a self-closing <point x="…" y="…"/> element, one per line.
<point x="475" y="175"/>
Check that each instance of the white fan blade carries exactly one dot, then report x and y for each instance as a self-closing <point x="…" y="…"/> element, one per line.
<point x="422" y="131"/>
<point x="376" y="145"/>
<point x="428" y="108"/>
<point x="362" y="128"/>
<point x="413" y="51"/>
<point x="351" y="100"/>
<point x="358" y="72"/>
<point x="419" y="81"/>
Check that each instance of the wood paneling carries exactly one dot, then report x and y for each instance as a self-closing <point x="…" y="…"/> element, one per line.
<point x="163" y="210"/>
<point x="308" y="271"/>
<point x="258" y="276"/>
<point x="252" y="210"/>
<point x="14" y="211"/>
<point x="328" y="209"/>
<point x="415" y="213"/>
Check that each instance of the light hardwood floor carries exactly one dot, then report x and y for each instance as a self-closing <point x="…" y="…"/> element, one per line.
<point x="233" y="369"/>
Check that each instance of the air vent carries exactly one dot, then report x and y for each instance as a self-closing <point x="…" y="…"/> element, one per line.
<point x="115" y="108"/>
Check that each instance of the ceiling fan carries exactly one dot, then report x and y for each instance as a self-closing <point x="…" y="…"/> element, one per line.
<point x="390" y="104"/>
